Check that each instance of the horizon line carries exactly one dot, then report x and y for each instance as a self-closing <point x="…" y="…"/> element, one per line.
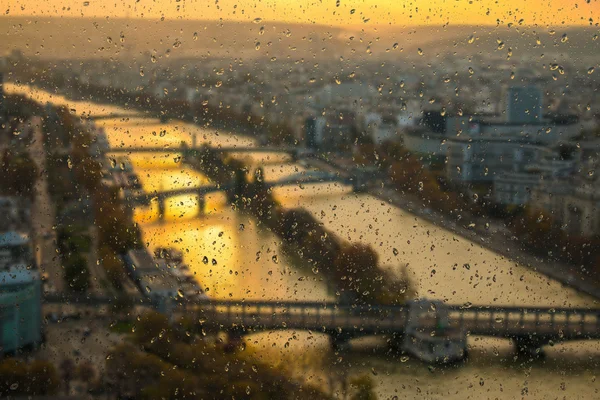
<point x="309" y="23"/>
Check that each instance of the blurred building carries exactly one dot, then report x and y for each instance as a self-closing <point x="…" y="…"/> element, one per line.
<point x="314" y="128"/>
<point x="20" y="293"/>
<point x="345" y="93"/>
<point x="524" y="105"/>
<point x="573" y="199"/>
<point x="544" y="131"/>
<point x="20" y="308"/>
<point x="482" y="160"/>
<point x="551" y="165"/>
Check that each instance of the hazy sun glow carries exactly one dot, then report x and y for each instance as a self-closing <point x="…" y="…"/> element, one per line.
<point x="328" y="12"/>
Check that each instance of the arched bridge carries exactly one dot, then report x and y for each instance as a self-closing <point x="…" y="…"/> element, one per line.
<point x="221" y="149"/>
<point x="309" y="178"/>
<point x="529" y="327"/>
<point x="116" y="116"/>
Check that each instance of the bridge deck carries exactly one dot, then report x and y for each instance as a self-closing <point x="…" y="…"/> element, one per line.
<point x="562" y="324"/>
<point x="510" y="322"/>
<point x="145" y="198"/>
<point x="149" y="149"/>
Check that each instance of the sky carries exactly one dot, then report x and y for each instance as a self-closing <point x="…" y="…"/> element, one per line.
<point x="327" y="12"/>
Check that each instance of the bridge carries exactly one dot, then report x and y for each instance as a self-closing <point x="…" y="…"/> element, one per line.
<point x="116" y="116"/>
<point x="308" y="178"/>
<point x="221" y="149"/>
<point x="529" y="328"/>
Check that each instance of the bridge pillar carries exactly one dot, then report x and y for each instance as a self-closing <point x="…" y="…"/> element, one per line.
<point x="528" y="346"/>
<point x="201" y="205"/>
<point x="395" y="343"/>
<point x="339" y="341"/>
<point x="235" y="340"/>
<point x="358" y="184"/>
<point x="161" y="209"/>
<point x="239" y="184"/>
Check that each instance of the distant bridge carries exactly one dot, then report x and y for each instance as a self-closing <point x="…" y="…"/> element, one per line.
<point x="309" y="178"/>
<point x="222" y="149"/>
<point x="116" y="116"/>
<point x="529" y="327"/>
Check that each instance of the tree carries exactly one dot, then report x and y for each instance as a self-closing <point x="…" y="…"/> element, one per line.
<point x="20" y="173"/>
<point x="76" y="275"/>
<point x="67" y="371"/>
<point x="356" y="268"/>
<point x="37" y="378"/>
<point x="86" y="371"/>
<point x="113" y="266"/>
<point x="364" y="388"/>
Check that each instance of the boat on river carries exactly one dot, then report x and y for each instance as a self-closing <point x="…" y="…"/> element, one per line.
<point x="429" y="336"/>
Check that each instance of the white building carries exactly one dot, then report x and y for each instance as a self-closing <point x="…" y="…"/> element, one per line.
<point x="482" y="160"/>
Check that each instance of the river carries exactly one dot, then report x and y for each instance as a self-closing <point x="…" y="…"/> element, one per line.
<point x="247" y="262"/>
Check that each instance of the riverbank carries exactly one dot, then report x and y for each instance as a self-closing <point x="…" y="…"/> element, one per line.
<point x="488" y="234"/>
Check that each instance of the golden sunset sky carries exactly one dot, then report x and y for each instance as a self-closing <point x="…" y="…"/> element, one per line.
<point x="327" y="12"/>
